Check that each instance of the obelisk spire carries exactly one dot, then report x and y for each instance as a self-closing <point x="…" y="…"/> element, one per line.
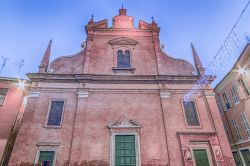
<point x="45" y="60"/>
<point x="197" y="62"/>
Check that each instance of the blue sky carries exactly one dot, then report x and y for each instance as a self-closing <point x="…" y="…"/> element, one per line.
<point x="26" y="26"/>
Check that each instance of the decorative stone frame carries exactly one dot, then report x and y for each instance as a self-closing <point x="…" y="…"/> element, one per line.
<point x="204" y="146"/>
<point x="48" y="112"/>
<point x="123" y="44"/>
<point x="191" y="140"/>
<point x="44" y="146"/>
<point x="124" y="128"/>
<point x="197" y="113"/>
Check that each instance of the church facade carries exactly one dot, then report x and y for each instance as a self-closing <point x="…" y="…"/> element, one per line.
<point x="119" y="101"/>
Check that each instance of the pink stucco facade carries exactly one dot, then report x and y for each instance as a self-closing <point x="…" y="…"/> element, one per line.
<point x="11" y="110"/>
<point x="233" y="100"/>
<point x="103" y="100"/>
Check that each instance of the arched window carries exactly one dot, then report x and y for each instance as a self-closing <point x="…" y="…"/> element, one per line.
<point x="123" y="60"/>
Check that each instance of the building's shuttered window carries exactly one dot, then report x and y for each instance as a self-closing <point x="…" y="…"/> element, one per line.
<point x="244" y="87"/>
<point x="3" y="93"/>
<point x="237" y="159"/>
<point x="234" y="94"/>
<point x="245" y="124"/>
<point x="55" y="114"/>
<point x="191" y="114"/>
<point x="125" y="152"/>
<point x="236" y="129"/>
<point x="220" y="104"/>
<point x="46" y="158"/>
<point x="226" y="100"/>
<point x="200" y="156"/>
<point x="246" y="155"/>
<point x="227" y="133"/>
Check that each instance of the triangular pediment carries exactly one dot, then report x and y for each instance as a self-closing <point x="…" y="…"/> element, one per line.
<point x="123" y="41"/>
<point x="124" y="124"/>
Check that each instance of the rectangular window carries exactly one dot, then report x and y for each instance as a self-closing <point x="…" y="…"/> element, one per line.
<point x="237" y="159"/>
<point x="234" y="94"/>
<point x="55" y="114"/>
<point x="46" y="158"/>
<point x="245" y="124"/>
<point x="227" y="133"/>
<point x="191" y="115"/>
<point x="3" y="94"/>
<point x="236" y="129"/>
<point x="244" y="87"/>
<point x="226" y="101"/>
<point x="125" y="152"/>
<point x="220" y="104"/>
<point x="201" y="158"/>
<point x="246" y="156"/>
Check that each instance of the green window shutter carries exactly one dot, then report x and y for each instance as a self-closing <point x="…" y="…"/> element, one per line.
<point x="125" y="150"/>
<point x="201" y="158"/>
<point x="237" y="159"/>
<point x="246" y="155"/>
<point x="46" y="158"/>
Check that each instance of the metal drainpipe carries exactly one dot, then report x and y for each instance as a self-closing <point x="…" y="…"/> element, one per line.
<point x="163" y="118"/>
<point x="73" y="129"/>
<point x="12" y="129"/>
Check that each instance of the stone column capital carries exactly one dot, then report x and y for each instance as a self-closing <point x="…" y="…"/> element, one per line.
<point x="82" y="93"/>
<point x="165" y="95"/>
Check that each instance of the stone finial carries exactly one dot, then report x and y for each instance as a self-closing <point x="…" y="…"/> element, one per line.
<point x="154" y="24"/>
<point x="45" y="60"/>
<point x="152" y="18"/>
<point x="91" y="19"/>
<point x="123" y="11"/>
<point x="197" y="62"/>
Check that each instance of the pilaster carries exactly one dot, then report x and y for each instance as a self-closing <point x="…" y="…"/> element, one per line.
<point x="209" y="97"/>
<point x="78" y="137"/>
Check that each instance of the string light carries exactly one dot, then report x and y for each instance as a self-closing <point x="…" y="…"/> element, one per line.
<point x="230" y="44"/>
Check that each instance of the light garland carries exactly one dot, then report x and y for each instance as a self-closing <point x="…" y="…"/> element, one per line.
<point x="224" y="53"/>
<point x="230" y="44"/>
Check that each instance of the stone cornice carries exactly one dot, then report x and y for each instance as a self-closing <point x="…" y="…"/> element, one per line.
<point x="13" y="80"/>
<point x="46" y="77"/>
<point x="122" y="30"/>
<point x="196" y="133"/>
